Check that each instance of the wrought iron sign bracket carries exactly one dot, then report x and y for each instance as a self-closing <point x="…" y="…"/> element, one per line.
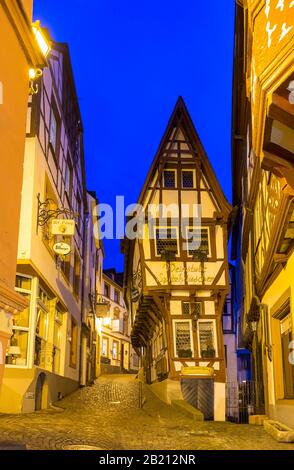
<point x="45" y="214"/>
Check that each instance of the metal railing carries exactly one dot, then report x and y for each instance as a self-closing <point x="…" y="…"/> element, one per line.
<point x="243" y="399"/>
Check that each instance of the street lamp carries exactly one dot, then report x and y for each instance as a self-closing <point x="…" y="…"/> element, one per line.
<point x="42" y="40"/>
<point x="45" y="46"/>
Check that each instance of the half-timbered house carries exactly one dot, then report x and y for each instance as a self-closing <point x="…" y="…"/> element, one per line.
<point x="176" y="271"/>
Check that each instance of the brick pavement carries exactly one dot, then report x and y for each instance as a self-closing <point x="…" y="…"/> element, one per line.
<point x="107" y="416"/>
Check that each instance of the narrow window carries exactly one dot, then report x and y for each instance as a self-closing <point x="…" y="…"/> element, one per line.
<point x="116" y="296"/>
<point x="76" y="280"/>
<point x="73" y="344"/>
<point x="192" y="308"/>
<point x="54" y="130"/>
<point x="115" y="350"/>
<point x="57" y="341"/>
<point x="166" y="242"/>
<point x="169" y="178"/>
<point x="104" y="349"/>
<point x="198" y="243"/>
<point x="106" y="290"/>
<point x="69" y="179"/>
<point x="183" y="339"/>
<point x="288" y="368"/>
<point x="206" y="339"/>
<point x="188" y="179"/>
<point x="186" y="310"/>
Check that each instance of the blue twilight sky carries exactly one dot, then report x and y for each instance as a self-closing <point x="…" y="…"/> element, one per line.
<point x="131" y="60"/>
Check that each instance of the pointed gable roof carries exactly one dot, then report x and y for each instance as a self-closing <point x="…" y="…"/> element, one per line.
<point x="181" y="127"/>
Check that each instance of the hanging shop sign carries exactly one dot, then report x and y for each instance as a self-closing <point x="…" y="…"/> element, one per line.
<point x="65" y="227"/>
<point x="61" y="248"/>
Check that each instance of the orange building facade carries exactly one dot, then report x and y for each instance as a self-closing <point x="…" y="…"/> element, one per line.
<point x="16" y="35"/>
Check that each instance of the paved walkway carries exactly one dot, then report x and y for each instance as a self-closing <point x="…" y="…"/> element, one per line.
<point x="107" y="416"/>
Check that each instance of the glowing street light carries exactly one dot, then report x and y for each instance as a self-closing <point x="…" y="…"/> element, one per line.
<point x="42" y="41"/>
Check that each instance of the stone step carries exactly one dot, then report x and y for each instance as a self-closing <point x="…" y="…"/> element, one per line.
<point x="187" y="409"/>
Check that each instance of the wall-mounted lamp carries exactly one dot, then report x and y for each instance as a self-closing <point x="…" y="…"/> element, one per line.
<point x="44" y="45"/>
<point x="43" y="42"/>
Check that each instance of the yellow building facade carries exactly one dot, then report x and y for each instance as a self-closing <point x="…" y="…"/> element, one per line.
<point x="16" y="36"/>
<point x="43" y="355"/>
<point x="263" y="189"/>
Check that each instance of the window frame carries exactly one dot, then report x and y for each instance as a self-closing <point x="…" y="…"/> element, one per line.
<point x="23" y="329"/>
<point x="106" y="340"/>
<point x="183" y="170"/>
<point x="116" y="296"/>
<point x="68" y="180"/>
<point x="115" y="342"/>
<point x="208" y="320"/>
<point x="166" y="227"/>
<point x="76" y="285"/>
<point x="186" y="320"/>
<point x="187" y="241"/>
<point x="106" y="287"/>
<point x="73" y="351"/>
<point x="54" y="112"/>
<point x="171" y="170"/>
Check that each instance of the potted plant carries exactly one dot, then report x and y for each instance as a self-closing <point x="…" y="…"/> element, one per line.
<point x="184" y="353"/>
<point x="208" y="352"/>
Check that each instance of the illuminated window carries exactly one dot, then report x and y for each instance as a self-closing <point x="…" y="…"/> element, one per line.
<point x="17" y="351"/>
<point x="183" y="338"/>
<point x="57" y="341"/>
<point x="41" y="328"/>
<point x="206" y="338"/>
<point x="115" y="350"/>
<point x="104" y="347"/>
<point x="288" y="368"/>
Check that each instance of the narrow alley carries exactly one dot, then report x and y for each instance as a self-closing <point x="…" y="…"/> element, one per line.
<point x="107" y="416"/>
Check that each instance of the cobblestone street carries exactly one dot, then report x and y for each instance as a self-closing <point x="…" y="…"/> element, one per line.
<point x="107" y="416"/>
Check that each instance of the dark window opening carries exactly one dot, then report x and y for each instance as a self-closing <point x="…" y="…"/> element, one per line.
<point x="169" y="179"/>
<point x="187" y="179"/>
<point x="166" y="242"/>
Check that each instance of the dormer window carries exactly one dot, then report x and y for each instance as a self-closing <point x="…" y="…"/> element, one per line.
<point x="169" y="178"/>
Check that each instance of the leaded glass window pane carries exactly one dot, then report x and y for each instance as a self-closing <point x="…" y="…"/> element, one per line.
<point x="166" y="241"/>
<point x="206" y="339"/>
<point x="187" y="179"/>
<point x="198" y="242"/>
<point x="169" y="179"/>
<point x="183" y="339"/>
